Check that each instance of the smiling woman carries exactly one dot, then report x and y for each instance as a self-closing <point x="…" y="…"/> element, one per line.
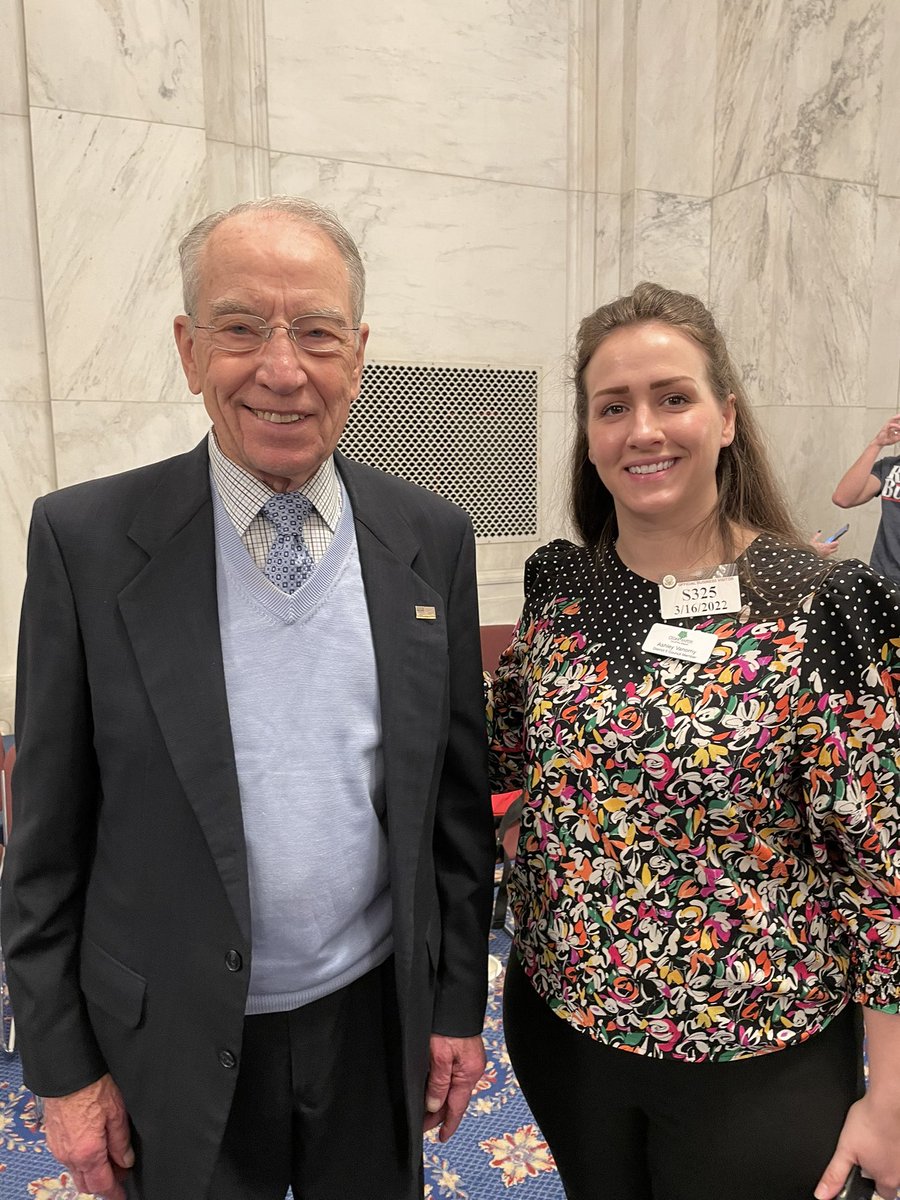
<point x="702" y="715"/>
<point x="653" y="319"/>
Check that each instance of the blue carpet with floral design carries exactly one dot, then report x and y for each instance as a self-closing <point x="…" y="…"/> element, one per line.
<point x="498" y="1150"/>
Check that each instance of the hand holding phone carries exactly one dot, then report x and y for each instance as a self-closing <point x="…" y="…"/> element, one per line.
<point x="838" y="533"/>
<point x="857" y="1187"/>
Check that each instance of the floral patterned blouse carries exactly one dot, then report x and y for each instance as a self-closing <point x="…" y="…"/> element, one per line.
<point x="709" y="859"/>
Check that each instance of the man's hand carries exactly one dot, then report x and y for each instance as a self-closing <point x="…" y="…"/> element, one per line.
<point x="888" y="433"/>
<point x="870" y="1137"/>
<point x="88" y="1132"/>
<point x="456" y="1066"/>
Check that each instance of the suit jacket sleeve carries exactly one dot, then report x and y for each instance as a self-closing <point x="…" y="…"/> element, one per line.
<point x="464" y="846"/>
<point x="56" y="795"/>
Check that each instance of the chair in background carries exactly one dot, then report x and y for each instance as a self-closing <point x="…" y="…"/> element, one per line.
<point x="507" y="806"/>
<point x="494" y="640"/>
<point x="7" y="759"/>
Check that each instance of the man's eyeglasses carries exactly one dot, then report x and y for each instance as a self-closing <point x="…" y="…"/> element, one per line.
<point x="241" y="334"/>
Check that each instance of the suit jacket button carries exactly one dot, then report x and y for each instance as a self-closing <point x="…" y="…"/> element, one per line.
<point x="227" y="1059"/>
<point x="233" y="960"/>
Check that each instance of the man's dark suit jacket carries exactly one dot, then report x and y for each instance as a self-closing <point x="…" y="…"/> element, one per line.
<point x="126" y="908"/>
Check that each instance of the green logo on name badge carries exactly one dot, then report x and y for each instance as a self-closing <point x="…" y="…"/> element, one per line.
<point x="682" y="633"/>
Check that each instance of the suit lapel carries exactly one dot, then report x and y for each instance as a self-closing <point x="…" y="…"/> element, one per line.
<point x="170" y="610"/>
<point x="411" y="655"/>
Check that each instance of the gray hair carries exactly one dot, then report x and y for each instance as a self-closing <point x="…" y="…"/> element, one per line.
<point x="191" y="245"/>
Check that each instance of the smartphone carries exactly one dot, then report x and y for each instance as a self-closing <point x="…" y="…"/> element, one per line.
<point x="838" y="533"/>
<point x="857" y="1187"/>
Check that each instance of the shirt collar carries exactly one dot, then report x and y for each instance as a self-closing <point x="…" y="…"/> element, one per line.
<point x="243" y="495"/>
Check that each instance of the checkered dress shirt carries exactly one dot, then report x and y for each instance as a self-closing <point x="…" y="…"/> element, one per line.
<point x="243" y="495"/>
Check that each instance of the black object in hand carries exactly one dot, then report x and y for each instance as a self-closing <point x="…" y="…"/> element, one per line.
<point x="857" y="1187"/>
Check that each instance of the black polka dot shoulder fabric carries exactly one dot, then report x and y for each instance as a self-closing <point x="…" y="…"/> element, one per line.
<point x="709" y="862"/>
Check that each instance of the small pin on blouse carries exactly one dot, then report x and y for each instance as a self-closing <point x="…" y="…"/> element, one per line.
<point x="424" y="612"/>
<point x="669" y="581"/>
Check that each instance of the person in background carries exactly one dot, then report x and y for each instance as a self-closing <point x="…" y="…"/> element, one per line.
<point x="247" y="894"/>
<point x="702" y="714"/>
<point x="825" y="548"/>
<point x="873" y="475"/>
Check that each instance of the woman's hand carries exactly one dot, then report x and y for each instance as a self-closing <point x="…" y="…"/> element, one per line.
<point x="823" y="549"/>
<point x="870" y="1137"/>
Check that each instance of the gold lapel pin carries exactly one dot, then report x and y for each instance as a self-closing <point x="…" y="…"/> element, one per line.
<point x="424" y="612"/>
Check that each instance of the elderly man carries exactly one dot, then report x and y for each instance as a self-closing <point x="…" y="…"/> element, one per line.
<point x="247" y="892"/>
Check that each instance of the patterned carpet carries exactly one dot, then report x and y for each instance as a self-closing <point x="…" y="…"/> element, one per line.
<point x="498" y="1150"/>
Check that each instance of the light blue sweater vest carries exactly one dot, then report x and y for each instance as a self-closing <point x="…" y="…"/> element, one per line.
<point x="305" y="717"/>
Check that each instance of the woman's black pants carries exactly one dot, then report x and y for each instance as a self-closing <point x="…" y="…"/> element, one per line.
<point x="624" y="1126"/>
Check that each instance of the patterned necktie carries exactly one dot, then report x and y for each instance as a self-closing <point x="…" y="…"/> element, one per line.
<point x="289" y="563"/>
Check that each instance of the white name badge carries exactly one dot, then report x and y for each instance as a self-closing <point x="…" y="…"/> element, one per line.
<point x="683" y="598"/>
<point x="670" y="641"/>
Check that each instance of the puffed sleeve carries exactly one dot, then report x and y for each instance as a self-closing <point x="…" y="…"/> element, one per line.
<point x="849" y="757"/>
<point x="507" y="696"/>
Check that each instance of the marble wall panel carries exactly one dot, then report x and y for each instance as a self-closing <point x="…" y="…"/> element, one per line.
<point x="459" y="270"/>
<point x="26" y="452"/>
<point x="811" y="449"/>
<point x="135" y="58"/>
<point x="627" y="211"/>
<point x="744" y="278"/>
<point x="501" y="594"/>
<point x="554" y="446"/>
<point x="583" y="256"/>
<point x="24" y="374"/>
<point x="96" y="438"/>
<point x="888" y="157"/>
<point x="582" y="122"/>
<point x="884" y="334"/>
<point x="752" y="35"/>
<point x="608" y="254"/>
<point x="235" y="173"/>
<point x="832" y="88"/>
<point x="113" y="199"/>
<point x="477" y="88"/>
<point x="821" y="336"/>
<point x="629" y="94"/>
<point x="670" y="242"/>
<point x="610" y="56"/>
<point x="234" y="71"/>
<point x="13" y="91"/>
<point x="675" y="99"/>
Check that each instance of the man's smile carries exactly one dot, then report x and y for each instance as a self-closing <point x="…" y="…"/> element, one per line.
<point x="277" y="418"/>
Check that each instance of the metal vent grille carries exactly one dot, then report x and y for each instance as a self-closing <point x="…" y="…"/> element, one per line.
<point x="468" y="433"/>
